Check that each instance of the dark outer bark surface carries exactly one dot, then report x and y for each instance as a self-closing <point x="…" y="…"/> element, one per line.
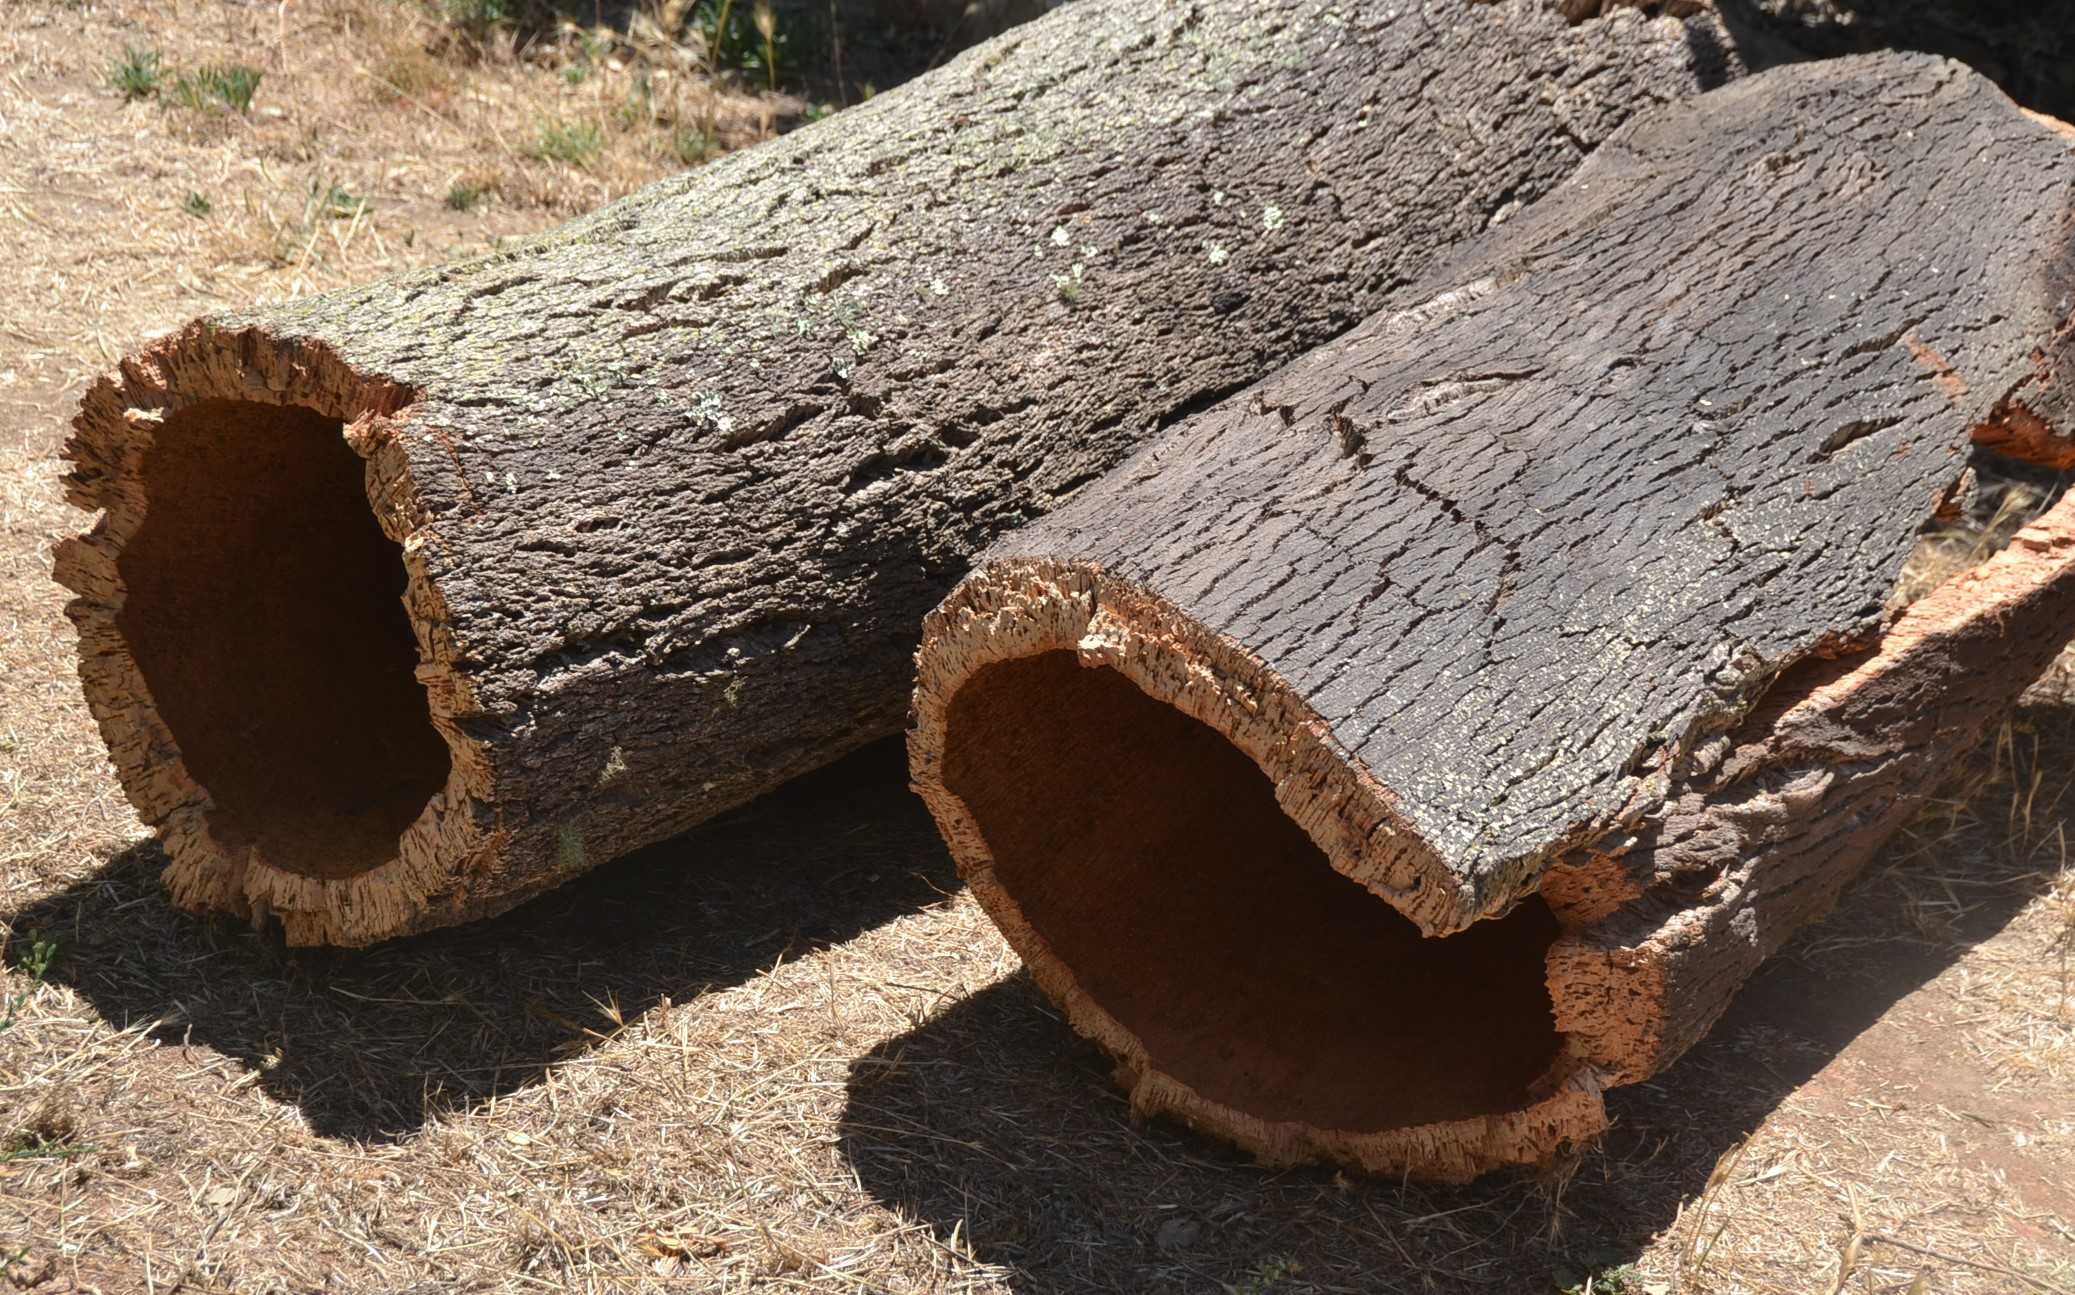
<point x="1524" y="542"/>
<point x="678" y="481"/>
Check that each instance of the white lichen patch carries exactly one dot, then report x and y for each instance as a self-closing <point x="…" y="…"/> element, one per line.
<point x="939" y="288"/>
<point x="1217" y="252"/>
<point x="1060" y="238"/>
<point x="1271" y="218"/>
<point x="709" y="410"/>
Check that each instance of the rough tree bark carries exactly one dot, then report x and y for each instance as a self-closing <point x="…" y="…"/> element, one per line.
<point x="673" y="486"/>
<point x="1387" y="760"/>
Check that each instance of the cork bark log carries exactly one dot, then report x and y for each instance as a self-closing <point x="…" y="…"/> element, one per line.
<point x="1386" y="761"/>
<point x="666" y="493"/>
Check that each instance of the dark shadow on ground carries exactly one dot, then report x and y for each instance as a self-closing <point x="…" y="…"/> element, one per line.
<point x="834" y="52"/>
<point x="372" y="1043"/>
<point x="995" y="1122"/>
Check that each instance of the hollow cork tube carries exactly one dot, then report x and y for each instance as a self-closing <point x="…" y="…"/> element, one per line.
<point x="1387" y="762"/>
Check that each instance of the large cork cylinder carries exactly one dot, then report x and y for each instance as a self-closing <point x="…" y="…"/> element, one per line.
<point x="408" y="602"/>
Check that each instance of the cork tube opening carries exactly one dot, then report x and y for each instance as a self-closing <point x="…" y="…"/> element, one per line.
<point x="262" y="606"/>
<point x="1146" y="855"/>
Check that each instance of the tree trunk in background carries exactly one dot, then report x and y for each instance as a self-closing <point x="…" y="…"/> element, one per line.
<point x="674" y="485"/>
<point x="1553" y="603"/>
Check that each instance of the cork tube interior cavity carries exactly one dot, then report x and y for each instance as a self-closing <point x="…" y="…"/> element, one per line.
<point x="262" y="608"/>
<point x="1137" y="850"/>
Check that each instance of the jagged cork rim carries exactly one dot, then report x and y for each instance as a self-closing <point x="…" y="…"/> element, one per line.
<point x="1019" y="608"/>
<point x="115" y="427"/>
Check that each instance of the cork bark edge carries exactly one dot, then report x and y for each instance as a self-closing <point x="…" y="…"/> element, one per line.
<point x="112" y="432"/>
<point x="1020" y="608"/>
<point x="1636" y="982"/>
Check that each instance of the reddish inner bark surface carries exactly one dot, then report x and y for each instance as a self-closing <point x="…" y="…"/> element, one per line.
<point x="1149" y="854"/>
<point x="263" y="610"/>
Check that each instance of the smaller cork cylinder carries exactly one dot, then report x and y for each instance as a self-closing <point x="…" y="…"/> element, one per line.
<point x="1387" y="762"/>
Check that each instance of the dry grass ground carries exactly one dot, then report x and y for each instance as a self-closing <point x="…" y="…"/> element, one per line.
<point x="784" y="1052"/>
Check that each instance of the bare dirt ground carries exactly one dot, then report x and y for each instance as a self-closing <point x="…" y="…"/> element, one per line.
<point x="785" y="1052"/>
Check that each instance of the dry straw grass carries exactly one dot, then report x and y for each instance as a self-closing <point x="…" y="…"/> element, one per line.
<point x="784" y="1052"/>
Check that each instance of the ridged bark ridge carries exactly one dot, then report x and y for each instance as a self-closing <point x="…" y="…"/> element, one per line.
<point x="1388" y="760"/>
<point x="666" y="492"/>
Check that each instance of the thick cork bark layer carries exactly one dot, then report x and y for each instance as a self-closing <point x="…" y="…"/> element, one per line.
<point x="1387" y="762"/>
<point x="666" y="492"/>
<point x="260" y="641"/>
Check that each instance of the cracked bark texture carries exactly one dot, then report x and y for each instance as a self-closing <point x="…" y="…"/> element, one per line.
<point x="675" y="484"/>
<point x="1495" y="584"/>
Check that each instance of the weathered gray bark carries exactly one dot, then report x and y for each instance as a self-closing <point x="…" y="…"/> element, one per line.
<point x="675" y="484"/>
<point x="1485" y="588"/>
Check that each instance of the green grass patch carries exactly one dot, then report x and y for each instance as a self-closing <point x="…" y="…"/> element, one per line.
<point x="743" y="35"/>
<point x="30" y="1146"/>
<point x="337" y="202"/>
<point x="689" y="146"/>
<point x="480" y="15"/>
<point x="136" y="75"/>
<point x="35" y="964"/>
<point x="570" y="143"/>
<point x="1624" y="1280"/>
<point x="226" y="85"/>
